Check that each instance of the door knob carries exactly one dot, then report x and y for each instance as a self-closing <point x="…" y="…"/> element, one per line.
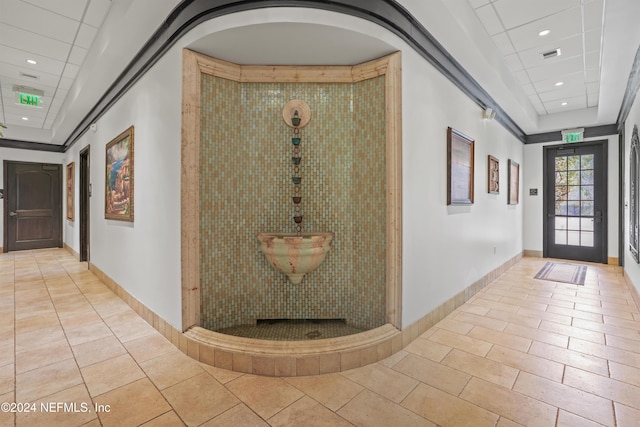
<point x="13" y="214"/>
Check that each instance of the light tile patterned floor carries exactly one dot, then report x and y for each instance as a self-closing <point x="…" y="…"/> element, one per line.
<point x="521" y="352"/>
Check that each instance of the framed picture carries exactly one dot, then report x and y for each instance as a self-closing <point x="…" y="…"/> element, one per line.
<point x="514" y="183"/>
<point x="118" y="197"/>
<point x="71" y="168"/>
<point x="459" y="168"/>
<point x="494" y="175"/>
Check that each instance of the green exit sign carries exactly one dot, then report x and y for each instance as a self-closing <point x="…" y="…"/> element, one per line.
<point x="572" y="135"/>
<point x="29" y="99"/>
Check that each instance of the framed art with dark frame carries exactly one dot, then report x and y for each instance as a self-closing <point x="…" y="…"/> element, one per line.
<point x="71" y="168"/>
<point x="459" y="168"/>
<point x="514" y="183"/>
<point x="493" y="175"/>
<point x="118" y="197"/>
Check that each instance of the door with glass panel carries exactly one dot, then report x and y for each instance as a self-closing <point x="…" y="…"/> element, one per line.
<point x="576" y="202"/>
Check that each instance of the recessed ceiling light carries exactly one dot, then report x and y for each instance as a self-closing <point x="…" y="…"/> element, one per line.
<point x="25" y="118"/>
<point x="564" y="103"/>
<point x="32" y="61"/>
<point x="559" y="83"/>
<point x="544" y="33"/>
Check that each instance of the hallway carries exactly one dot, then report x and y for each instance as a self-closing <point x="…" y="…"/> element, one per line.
<point x="521" y="352"/>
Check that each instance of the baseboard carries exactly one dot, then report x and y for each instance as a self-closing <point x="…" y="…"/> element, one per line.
<point x="71" y="251"/>
<point x="532" y="254"/>
<point x="239" y="354"/>
<point x="613" y="261"/>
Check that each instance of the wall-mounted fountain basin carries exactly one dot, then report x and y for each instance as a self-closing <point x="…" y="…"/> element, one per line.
<point x="295" y="254"/>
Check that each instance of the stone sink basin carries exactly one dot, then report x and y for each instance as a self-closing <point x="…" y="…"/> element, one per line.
<point x="295" y="255"/>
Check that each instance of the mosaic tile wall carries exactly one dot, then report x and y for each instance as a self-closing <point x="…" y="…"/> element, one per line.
<point x="246" y="188"/>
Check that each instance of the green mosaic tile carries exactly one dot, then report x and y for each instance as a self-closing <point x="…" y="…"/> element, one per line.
<point x="246" y="188"/>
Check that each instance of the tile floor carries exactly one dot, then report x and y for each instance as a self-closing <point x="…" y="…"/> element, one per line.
<point x="521" y="352"/>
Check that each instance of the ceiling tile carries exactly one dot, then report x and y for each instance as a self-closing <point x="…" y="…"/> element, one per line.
<point x="34" y="43"/>
<point x="70" y="71"/>
<point x="562" y="25"/>
<point x="85" y="36"/>
<point x="518" y="12"/>
<point x="563" y="93"/>
<point x="529" y="89"/>
<point x="592" y="60"/>
<point x="11" y="73"/>
<point x="572" y="104"/>
<point x="18" y="58"/>
<point x="593" y="40"/>
<point x="555" y="68"/>
<point x="97" y="12"/>
<point x="513" y="62"/>
<point x="569" y="47"/>
<point x="593" y="12"/>
<point x="477" y="3"/>
<point x="592" y="100"/>
<point x="568" y="80"/>
<point x="77" y="55"/>
<point x="522" y="77"/>
<point x="70" y="8"/>
<point x="39" y="21"/>
<point x="593" y="74"/>
<point x="490" y="20"/>
<point x="503" y="43"/>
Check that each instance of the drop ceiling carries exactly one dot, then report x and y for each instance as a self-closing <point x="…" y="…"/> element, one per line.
<point x="597" y="47"/>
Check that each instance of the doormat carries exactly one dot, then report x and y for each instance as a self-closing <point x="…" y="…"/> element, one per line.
<point x="563" y="272"/>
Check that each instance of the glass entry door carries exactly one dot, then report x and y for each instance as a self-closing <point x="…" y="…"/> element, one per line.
<point x="576" y="202"/>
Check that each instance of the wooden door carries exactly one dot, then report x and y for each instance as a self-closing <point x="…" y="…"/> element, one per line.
<point x="32" y="206"/>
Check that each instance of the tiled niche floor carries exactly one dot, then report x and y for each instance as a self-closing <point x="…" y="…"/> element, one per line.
<point x="521" y="352"/>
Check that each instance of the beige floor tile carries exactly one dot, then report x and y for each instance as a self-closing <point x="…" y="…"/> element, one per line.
<point x="500" y="338"/>
<point x="7" y="353"/>
<point x="171" y="368"/>
<point x="168" y="419"/>
<point x="27" y="340"/>
<point x="606" y="312"/>
<point x="572" y="331"/>
<point x="7" y="419"/>
<point x="606" y="329"/>
<point x="97" y="350"/>
<point x="81" y="319"/>
<point x="223" y="376"/>
<point x="572" y="400"/>
<point x="384" y="381"/>
<point x="392" y="360"/>
<point x="148" y="347"/>
<point x="570" y="358"/>
<point x="239" y="415"/>
<point x="7" y="379"/>
<point x="626" y="416"/>
<point x="505" y="422"/>
<point x="483" y="321"/>
<point x="527" y="362"/>
<point x="40" y="355"/>
<point x="455" y="326"/>
<point x="199" y="399"/>
<point x="428" y="349"/>
<point x="371" y="410"/>
<point x="87" y="333"/>
<point x="567" y="419"/>
<point x="606" y="352"/>
<point x="623" y="343"/>
<point x="128" y="326"/>
<point x="510" y="404"/>
<point x="480" y="367"/>
<point x="514" y="318"/>
<point x="47" y="380"/>
<point x="69" y="407"/>
<point x="132" y="404"/>
<point x="471" y="345"/>
<point x="109" y="374"/>
<point x="332" y="390"/>
<point x="307" y="412"/>
<point x="624" y="373"/>
<point x="447" y="410"/>
<point x="538" y="335"/>
<point x="266" y="396"/>
<point x="32" y="323"/>
<point x="435" y="374"/>
<point x="545" y="315"/>
<point x="474" y="309"/>
<point x="599" y="385"/>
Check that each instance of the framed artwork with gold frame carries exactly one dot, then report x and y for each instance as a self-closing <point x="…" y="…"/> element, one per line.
<point x="71" y="168"/>
<point x="118" y="197"/>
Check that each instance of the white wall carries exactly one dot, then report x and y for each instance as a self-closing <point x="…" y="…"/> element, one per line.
<point x="533" y="205"/>
<point x="15" y="155"/>
<point x="631" y="267"/>
<point x="445" y="249"/>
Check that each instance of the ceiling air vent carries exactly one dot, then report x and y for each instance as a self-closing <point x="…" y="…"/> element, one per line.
<point x="551" y="54"/>
<point x="29" y="76"/>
